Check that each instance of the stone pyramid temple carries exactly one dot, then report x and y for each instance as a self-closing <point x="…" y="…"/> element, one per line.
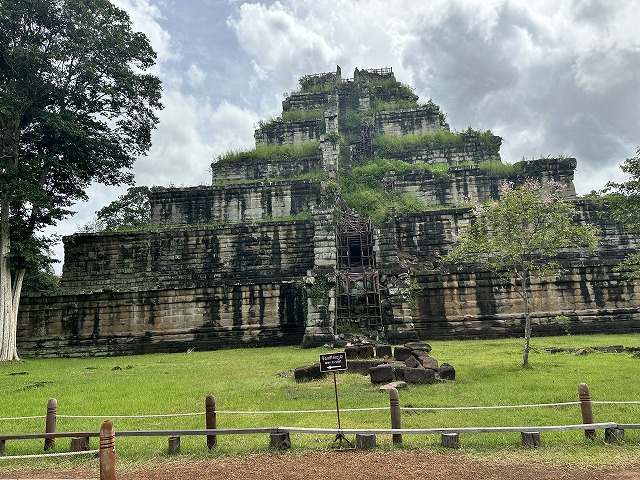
<point x="333" y="225"/>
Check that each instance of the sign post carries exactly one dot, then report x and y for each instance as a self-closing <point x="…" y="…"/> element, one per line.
<point x="333" y="362"/>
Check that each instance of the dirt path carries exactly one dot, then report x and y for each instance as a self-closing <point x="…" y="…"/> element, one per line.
<point x="352" y="465"/>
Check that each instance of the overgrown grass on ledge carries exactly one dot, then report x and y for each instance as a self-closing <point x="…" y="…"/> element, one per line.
<point x="271" y="152"/>
<point x="487" y="373"/>
<point x="392" y="145"/>
<point x="496" y="167"/>
<point x="364" y="192"/>
<point x="301" y="115"/>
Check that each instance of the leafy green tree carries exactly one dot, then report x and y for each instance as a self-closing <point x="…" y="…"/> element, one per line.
<point x="623" y="201"/>
<point x="76" y="107"/>
<point x="519" y="237"/>
<point x="130" y="210"/>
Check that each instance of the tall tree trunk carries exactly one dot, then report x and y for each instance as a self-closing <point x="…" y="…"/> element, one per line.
<point x="526" y="282"/>
<point x="9" y="292"/>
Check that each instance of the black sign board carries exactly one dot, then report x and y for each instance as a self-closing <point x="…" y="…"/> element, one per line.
<point x="332" y="362"/>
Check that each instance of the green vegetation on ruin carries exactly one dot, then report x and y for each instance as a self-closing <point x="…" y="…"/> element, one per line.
<point x="386" y="92"/>
<point x="487" y="373"/>
<point x="388" y="89"/>
<point x="364" y="192"/>
<point x="301" y="115"/>
<point x="394" y="145"/>
<point x="271" y="152"/>
<point x="496" y="167"/>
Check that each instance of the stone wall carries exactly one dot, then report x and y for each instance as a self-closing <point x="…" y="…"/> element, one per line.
<point x="469" y="183"/>
<point x="281" y="132"/>
<point x="473" y="304"/>
<point x="409" y="121"/>
<point x="305" y="101"/>
<point x="188" y="258"/>
<point x="229" y="203"/>
<point x="472" y="150"/>
<point x="165" y="320"/>
<point x="246" y="171"/>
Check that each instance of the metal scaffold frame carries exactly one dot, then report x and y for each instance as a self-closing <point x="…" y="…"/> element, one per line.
<point x="364" y="145"/>
<point x="357" y="281"/>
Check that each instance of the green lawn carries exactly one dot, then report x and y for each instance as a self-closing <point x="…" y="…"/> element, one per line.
<point x="488" y="373"/>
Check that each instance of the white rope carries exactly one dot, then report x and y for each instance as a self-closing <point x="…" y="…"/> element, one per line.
<point x="492" y="407"/>
<point x="24" y="418"/>
<point x="158" y="415"/>
<point x="614" y="403"/>
<point x="267" y="412"/>
<point x="370" y="409"/>
<point x="48" y="455"/>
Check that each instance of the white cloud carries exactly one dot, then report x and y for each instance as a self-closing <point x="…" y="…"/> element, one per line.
<point x="279" y="41"/>
<point x="196" y="75"/>
<point x="232" y="128"/>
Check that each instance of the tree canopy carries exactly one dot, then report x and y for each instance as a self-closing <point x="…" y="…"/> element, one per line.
<point x="623" y="201"/>
<point x="131" y="210"/>
<point x="77" y="106"/>
<point x="520" y="236"/>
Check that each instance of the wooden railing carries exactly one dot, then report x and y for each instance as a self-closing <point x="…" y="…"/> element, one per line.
<point x="280" y="435"/>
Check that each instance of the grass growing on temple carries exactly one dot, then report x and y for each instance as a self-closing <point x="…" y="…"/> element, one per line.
<point x="260" y="379"/>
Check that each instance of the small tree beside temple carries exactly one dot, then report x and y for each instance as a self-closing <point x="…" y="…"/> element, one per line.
<point x="623" y="201"/>
<point x="520" y="236"/>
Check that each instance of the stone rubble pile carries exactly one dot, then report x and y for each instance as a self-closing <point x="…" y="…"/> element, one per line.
<point x="392" y="366"/>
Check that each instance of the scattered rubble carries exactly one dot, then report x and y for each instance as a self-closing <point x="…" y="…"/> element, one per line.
<point x="387" y="365"/>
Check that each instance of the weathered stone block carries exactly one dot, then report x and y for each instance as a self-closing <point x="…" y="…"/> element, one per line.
<point x="383" y="351"/>
<point x="366" y="351"/>
<point x="419" y="375"/>
<point x="446" y="372"/>
<point x="412" y="362"/>
<point x="308" y="372"/>
<point x="425" y="347"/>
<point x="352" y="351"/>
<point x="381" y="373"/>
<point x="428" y="362"/>
<point x="401" y="353"/>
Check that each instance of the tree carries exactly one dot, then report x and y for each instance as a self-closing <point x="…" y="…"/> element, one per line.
<point x="623" y="201"/>
<point x="519" y="237"/>
<point x="76" y="107"/>
<point x="131" y="210"/>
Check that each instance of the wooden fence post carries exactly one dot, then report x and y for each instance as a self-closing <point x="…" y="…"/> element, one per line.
<point x="394" y="406"/>
<point x="174" y="445"/>
<point x="365" y="441"/>
<point x="280" y="440"/>
<point x="530" y="439"/>
<point x="211" y="420"/>
<point x="585" y="407"/>
<point x="450" y="440"/>
<point x="107" y="451"/>
<point x="50" y="423"/>
<point x="79" y="444"/>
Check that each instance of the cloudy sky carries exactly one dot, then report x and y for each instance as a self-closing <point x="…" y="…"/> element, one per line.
<point x="550" y="77"/>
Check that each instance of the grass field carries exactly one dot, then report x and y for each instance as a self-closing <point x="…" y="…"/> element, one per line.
<point x="488" y="373"/>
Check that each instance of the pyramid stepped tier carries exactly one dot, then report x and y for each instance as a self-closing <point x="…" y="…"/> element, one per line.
<point x="334" y="224"/>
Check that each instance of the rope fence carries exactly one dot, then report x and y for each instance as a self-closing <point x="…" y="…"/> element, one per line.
<point x="365" y="409"/>
<point x="280" y="436"/>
